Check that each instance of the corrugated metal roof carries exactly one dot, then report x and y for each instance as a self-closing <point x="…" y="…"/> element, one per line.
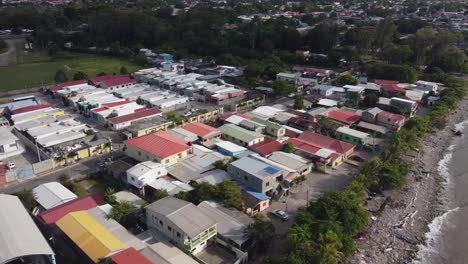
<point x="160" y="144"/>
<point x="90" y="236"/>
<point x="19" y="235"/>
<point x="51" y="194"/>
<point x="239" y="133"/>
<point x="130" y="256"/>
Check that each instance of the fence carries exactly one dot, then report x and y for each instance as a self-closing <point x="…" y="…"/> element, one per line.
<point x="43" y="166"/>
<point x="29" y="144"/>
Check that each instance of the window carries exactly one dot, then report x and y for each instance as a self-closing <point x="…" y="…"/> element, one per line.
<point x="180" y="155"/>
<point x="267" y="184"/>
<point x="246" y="178"/>
<point x="167" y="161"/>
<point x="178" y="234"/>
<point x="139" y="153"/>
<point x="161" y="223"/>
<point x="169" y="228"/>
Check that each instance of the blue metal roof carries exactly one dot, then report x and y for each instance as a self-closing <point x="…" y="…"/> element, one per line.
<point x="259" y="196"/>
<point x="270" y="170"/>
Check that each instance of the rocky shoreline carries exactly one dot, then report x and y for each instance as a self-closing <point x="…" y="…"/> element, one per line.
<point x="400" y="218"/>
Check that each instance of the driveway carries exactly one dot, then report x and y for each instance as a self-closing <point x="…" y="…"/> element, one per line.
<point x="9" y="57"/>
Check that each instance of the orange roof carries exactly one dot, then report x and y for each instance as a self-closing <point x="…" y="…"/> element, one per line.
<point x="160" y="144"/>
<point x="130" y="256"/>
<point x="200" y="129"/>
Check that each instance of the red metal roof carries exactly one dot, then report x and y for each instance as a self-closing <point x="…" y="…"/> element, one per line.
<point x="265" y="148"/>
<point x="343" y="116"/>
<point x="392" y="88"/>
<point x="200" y="129"/>
<point x="385" y="82"/>
<point x="31" y="108"/>
<point x="51" y="216"/>
<point x="392" y="116"/>
<point x="322" y="141"/>
<point x="160" y="144"/>
<point x="112" y="80"/>
<point x="60" y="86"/>
<point x="130" y="256"/>
<point x="135" y="116"/>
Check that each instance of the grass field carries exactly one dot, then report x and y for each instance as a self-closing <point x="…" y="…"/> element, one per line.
<point x="36" y="69"/>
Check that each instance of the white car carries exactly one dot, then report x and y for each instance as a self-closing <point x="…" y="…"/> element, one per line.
<point x="11" y="165"/>
<point x="193" y="110"/>
<point x="187" y="114"/>
<point x="281" y="214"/>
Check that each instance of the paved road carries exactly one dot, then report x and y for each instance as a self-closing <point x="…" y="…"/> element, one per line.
<point x="75" y="171"/>
<point x="5" y="57"/>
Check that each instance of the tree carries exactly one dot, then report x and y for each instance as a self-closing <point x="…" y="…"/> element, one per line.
<point x="123" y="70"/>
<point x="106" y="261"/>
<point x="141" y="59"/>
<point x="396" y="54"/>
<point x="288" y="148"/>
<point x="370" y="100"/>
<point x="72" y="155"/>
<point x="60" y="76"/>
<point x="3" y="45"/>
<point x="79" y="75"/>
<point x="261" y="232"/>
<point x="329" y="245"/>
<point x="299" y="102"/>
<point x="221" y="164"/>
<point x="109" y="196"/>
<point x="231" y="195"/>
<point x="346" y="80"/>
<point x="386" y="31"/>
<point x="27" y="198"/>
<point x="124" y="213"/>
<point x="402" y="73"/>
<point x="327" y="127"/>
<point x="158" y="194"/>
<point x="451" y="59"/>
<point x="280" y="87"/>
<point x="52" y="50"/>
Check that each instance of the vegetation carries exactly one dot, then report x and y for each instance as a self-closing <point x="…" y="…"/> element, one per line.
<point x="261" y="232"/>
<point x="124" y="213"/>
<point x="222" y="164"/>
<point x="288" y="148"/>
<point x="226" y="192"/>
<point x="109" y="196"/>
<point x="158" y="195"/>
<point x="280" y="87"/>
<point x="27" y="198"/>
<point x="299" y="103"/>
<point x="3" y="46"/>
<point x="402" y="73"/>
<point x="346" y="80"/>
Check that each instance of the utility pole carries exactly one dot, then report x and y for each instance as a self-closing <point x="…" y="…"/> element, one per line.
<point x="37" y="150"/>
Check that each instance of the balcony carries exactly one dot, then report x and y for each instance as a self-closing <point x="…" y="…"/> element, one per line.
<point x="211" y="232"/>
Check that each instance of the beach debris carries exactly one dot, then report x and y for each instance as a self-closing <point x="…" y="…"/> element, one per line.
<point x="373" y="218"/>
<point x="388" y="249"/>
<point x="406" y="237"/>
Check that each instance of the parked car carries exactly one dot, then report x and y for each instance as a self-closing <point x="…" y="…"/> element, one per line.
<point x="193" y="110"/>
<point x="187" y="114"/>
<point x="11" y="165"/>
<point x="281" y="215"/>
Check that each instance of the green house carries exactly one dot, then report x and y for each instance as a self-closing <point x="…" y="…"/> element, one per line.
<point x="352" y="136"/>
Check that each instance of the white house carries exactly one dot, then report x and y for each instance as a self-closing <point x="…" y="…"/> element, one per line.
<point x="145" y="172"/>
<point x="427" y="86"/>
<point x="9" y="143"/>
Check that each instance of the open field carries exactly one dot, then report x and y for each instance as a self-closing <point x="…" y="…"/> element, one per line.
<point x="36" y="68"/>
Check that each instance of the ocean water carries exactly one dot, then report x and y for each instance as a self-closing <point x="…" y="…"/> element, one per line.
<point x="447" y="239"/>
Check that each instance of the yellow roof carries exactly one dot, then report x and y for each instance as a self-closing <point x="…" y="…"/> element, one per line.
<point x="95" y="240"/>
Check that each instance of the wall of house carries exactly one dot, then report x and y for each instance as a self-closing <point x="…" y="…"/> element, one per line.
<point x="368" y="117"/>
<point x="348" y="138"/>
<point x="258" y="185"/>
<point x="163" y="224"/>
<point x="389" y="123"/>
<point x="150" y="130"/>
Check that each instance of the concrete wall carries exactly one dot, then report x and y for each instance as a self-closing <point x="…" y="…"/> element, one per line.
<point x="30" y="145"/>
<point x="45" y="165"/>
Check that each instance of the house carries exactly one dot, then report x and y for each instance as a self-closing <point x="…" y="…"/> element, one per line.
<point x="323" y="90"/>
<point x="407" y="105"/>
<point x="130" y="256"/>
<point x="182" y="222"/>
<point x="295" y="162"/>
<point x="322" y="148"/>
<point x="236" y="118"/>
<point x="19" y="234"/>
<point x="165" y="57"/>
<point x="229" y="228"/>
<point x="343" y="117"/>
<point x="160" y="249"/>
<point x="266" y="147"/>
<point x="256" y="175"/>
<point x="252" y="125"/>
<point x="159" y="146"/>
<point x="93" y="239"/>
<point x="230" y="149"/>
<point x="271" y="128"/>
<point x="61" y="86"/>
<point x="184" y="135"/>
<point x="32" y="108"/>
<point x="51" y="216"/>
<point x="241" y="135"/>
<point x="290" y="78"/>
<point x="52" y="194"/>
<point x="390" y="120"/>
<point x="145" y="172"/>
<point x="370" y="115"/>
<point x="170" y="185"/>
<point x="204" y="132"/>
<point x="327" y="103"/>
<point x="120" y="122"/>
<point x="255" y="202"/>
<point x="147" y="126"/>
<point x="112" y="82"/>
<point x="392" y="90"/>
<point x="126" y="196"/>
<point x="427" y="86"/>
<point x="9" y="144"/>
<point x="352" y="136"/>
<point x="386" y="82"/>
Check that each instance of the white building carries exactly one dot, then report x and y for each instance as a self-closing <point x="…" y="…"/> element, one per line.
<point x="427" y="86"/>
<point x="52" y="194"/>
<point x="144" y="173"/>
<point x="9" y="144"/>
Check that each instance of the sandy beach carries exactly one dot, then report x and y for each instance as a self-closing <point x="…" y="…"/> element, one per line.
<point x="400" y="218"/>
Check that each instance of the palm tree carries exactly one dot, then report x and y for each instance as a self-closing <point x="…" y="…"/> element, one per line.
<point x="109" y="195"/>
<point x="72" y="155"/>
<point x="107" y="145"/>
<point x="59" y="159"/>
<point x="97" y="149"/>
<point x="329" y="245"/>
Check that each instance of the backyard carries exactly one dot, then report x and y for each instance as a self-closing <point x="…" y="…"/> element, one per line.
<point x="32" y="69"/>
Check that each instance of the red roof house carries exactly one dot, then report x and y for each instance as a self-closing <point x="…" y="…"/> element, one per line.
<point x="392" y="89"/>
<point x="60" y="86"/>
<point x="51" y="216"/>
<point x="159" y="144"/>
<point x="120" y="122"/>
<point x="31" y="108"/>
<point x="203" y="131"/>
<point x="130" y="256"/>
<point x="110" y="81"/>
<point x="386" y="82"/>
<point x="267" y="147"/>
<point x="326" y="142"/>
<point x="344" y="117"/>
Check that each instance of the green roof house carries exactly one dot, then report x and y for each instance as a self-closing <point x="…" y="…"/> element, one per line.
<point x="271" y="128"/>
<point x="241" y="135"/>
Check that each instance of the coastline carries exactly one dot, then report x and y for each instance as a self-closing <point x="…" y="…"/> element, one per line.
<point x="401" y="218"/>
